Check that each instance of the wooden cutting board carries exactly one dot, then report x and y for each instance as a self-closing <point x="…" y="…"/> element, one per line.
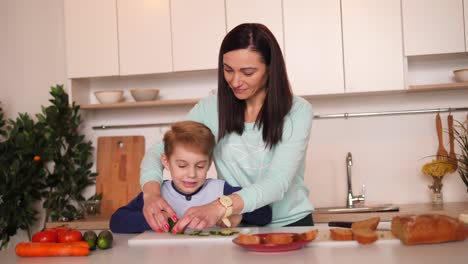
<point x="118" y="167"/>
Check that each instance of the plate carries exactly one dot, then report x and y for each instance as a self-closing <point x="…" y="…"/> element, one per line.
<point x="272" y="247"/>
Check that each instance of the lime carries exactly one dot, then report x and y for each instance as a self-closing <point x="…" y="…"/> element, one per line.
<point x="104" y="240"/>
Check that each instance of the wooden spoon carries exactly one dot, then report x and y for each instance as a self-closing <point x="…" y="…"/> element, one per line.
<point x="441" y="152"/>
<point x="452" y="155"/>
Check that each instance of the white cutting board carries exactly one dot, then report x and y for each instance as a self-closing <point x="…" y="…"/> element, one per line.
<point x="154" y="238"/>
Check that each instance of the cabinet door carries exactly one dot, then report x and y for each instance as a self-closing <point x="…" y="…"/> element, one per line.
<point x="267" y="12"/>
<point x="144" y="36"/>
<point x="373" y="45"/>
<point x="433" y="26"/>
<point x="314" y="54"/>
<point x="198" y="27"/>
<point x="91" y="38"/>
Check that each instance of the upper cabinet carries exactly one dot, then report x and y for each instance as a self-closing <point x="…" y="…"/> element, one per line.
<point x="144" y="36"/>
<point x="314" y="51"/>
<point x="198" y="27"/>
<point x="267" y="12"/>
<point x="372" y="42"/>
<point x="433" y="26"/>
<point x="91" y="38"/>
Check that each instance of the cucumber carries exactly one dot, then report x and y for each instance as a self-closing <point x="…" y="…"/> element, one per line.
<point x="171" y="224"/>
<point x="105" y="239"/>
<point x="91" y="238"/>
<point x="227" y="232"/>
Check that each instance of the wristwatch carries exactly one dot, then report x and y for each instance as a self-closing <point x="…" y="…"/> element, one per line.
<point x="226" y="202"/>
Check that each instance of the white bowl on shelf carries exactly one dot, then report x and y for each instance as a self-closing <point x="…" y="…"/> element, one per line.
<point x="144" y="94"/>
<point x="461" y="75"/>
<point x="109" y="96"/>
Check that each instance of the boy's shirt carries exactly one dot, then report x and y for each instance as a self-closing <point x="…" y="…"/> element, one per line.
<point x="130" y="218"/>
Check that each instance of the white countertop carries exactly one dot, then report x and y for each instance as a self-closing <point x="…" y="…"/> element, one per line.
<point x="193" y="252"/>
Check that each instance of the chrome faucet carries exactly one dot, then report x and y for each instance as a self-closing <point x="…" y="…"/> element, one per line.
<point x="351" y="199"/>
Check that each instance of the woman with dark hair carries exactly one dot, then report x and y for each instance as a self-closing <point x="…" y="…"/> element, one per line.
<point x="262" y="137"/>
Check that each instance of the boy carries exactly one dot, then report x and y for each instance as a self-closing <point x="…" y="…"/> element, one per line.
<point x="187" y="156"/>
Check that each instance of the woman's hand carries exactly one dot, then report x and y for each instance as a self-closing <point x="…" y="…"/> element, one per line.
<point x="156" y="210"/>
<point x="200" y="217"/>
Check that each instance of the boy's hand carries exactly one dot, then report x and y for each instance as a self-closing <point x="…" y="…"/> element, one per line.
<point x="156" y="209"/>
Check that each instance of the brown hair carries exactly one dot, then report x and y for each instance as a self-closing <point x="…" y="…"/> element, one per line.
<point x="191" y="134"/>
<point x="278" y="101"/>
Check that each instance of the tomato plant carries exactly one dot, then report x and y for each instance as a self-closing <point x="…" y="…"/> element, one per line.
<point x="45" y="236"/>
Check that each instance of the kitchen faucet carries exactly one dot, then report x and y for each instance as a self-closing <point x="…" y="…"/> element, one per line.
<point x="351" y="199"/>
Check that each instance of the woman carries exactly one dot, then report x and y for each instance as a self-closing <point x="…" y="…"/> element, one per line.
<point x="262" y="137"/>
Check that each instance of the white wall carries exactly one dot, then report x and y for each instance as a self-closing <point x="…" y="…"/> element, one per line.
<point x="32" y="58"/>
<point x="32" y="53"/>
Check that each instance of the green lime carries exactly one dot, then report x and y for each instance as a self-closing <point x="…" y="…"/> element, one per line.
<point x="104" y="240"/>
<point x="91" y="238"/>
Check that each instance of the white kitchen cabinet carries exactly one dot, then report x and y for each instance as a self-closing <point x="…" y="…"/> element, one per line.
<point x="91" y="38"/>
<point x="433" y="26"/>
<point x="267" y="12"/>
<point x="314" y="51"/>
<point x="372" y="42"/>
<point x="465" y="12"/>
<point x="144" y="28"/>
<point x="198" y="27"/>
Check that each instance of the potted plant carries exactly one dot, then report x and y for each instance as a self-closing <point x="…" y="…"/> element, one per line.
<point x="69" y="158"/>
<point x="22" y="174"/>
<point x="461" y="137"/>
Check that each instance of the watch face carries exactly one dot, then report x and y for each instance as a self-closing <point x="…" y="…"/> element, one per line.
<point x="225" y="200"/>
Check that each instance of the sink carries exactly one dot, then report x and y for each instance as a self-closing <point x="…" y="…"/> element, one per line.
<point x="358" y="209"/>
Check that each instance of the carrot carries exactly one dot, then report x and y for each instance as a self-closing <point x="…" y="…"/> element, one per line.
<point x="79" y="243"/>
<point x="34" y="249"/>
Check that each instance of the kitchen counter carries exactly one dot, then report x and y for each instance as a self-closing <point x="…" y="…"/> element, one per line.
<point x="101" y="222"/>
<point x="200" y="252"/>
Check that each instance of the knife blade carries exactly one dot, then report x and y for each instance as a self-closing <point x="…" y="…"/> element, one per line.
<point x="340" y="224"/>
<point x="383" y="225"/>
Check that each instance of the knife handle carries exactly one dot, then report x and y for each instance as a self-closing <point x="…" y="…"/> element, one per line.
<point x="340" y="224"/>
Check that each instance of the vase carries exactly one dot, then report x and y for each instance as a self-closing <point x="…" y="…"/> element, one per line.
<point x="437" y="196"/>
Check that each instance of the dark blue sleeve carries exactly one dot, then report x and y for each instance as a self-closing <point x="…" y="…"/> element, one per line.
<point x="130" y="218"/>
<point x="260" y="217"/>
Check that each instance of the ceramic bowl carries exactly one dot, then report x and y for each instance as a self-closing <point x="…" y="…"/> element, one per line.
<point x="461" y="75"/>
<point x="109" y="96"/>
<point x="144" y="94"/>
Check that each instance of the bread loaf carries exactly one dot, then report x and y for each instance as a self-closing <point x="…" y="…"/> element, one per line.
<point x="365" y="236"/>
<point x="339" y="234"/>
<point x="370" y="223"/>
<point x="428" y="228"/>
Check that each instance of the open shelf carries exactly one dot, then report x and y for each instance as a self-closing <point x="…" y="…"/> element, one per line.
<point x="438" y="87"/>
<point x="156" y="103"/>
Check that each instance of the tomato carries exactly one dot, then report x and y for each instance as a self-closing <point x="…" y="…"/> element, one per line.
<point x="59" y="230"/>
<point x="45" y="236"/>
<point x="70" y="236"/>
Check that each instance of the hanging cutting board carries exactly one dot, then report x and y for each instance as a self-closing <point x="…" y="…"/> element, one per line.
<point x="118" y="167"/>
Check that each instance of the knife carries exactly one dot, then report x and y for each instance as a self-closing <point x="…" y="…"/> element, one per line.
<point x="340" y="224"/>
<point x="383" y="225"/>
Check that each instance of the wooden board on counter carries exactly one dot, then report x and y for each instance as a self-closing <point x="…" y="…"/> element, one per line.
<point x="118" y="166"/>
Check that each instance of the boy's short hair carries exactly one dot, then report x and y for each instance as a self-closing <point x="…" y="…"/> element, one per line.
<point x="191" y="134"/>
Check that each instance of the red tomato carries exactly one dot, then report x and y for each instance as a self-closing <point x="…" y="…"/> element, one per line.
<point x="70" y="236"/>
<point x="59" y="230"/>
<point x="45" y="236"/>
